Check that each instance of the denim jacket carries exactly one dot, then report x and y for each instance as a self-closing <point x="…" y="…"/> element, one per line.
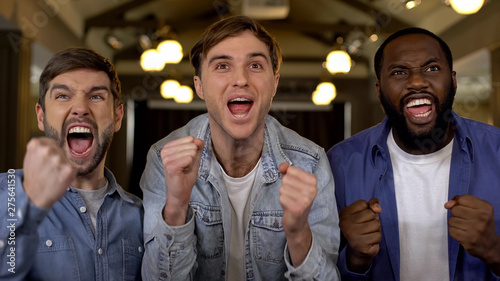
<point x="60" y="243"/>
<point x="199" y="250"/>
<point x="363" y="170"/>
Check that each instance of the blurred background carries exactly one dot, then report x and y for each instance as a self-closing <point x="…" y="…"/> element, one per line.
<point x="326" y="90"/>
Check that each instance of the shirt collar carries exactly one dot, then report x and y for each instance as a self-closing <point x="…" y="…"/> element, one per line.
<point x="113" y="187"/>
<point x="462" y="137"/>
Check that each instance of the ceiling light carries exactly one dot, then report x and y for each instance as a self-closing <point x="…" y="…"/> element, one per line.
<point x="338" y="61"/>
<point x="114" y="42"/>
<point x="264" y="10"/>
<point x="171" y="51"/>
<point x="410" y="4"/>
<point x="144" y="41"/>
<point x="169" y="88"/>
<point x="324" y="94"/>
<point x="184" y="95"/>
<point x="151" y="60"/>
<point x="466" y="6"/>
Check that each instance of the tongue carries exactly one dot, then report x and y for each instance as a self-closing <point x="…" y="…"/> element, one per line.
<point x="239" y="108"/>
<point x="79" y="145"/>
<point x="419" y="109"/>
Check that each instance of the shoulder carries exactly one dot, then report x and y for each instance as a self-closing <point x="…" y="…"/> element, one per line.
<point x="195" y="127"/>
<point x="126" y="196"/>
<point x="13" y="177"/>
<point x="473" y="127"/>
<point x="290" y="141"/>
<point x="360" y="141"/>
<point x="137" y="201"/>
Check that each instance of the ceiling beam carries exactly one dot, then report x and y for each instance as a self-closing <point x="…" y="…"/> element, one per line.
<point x="116" y="17"/>
<point x="387" y="23"/>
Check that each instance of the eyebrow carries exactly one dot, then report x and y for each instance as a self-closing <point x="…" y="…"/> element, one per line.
<point x="429" y="61"/>
<point x="66" y="88"/>
<point x="227" y="57"/>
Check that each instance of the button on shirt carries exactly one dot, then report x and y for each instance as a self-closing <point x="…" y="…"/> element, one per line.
<point x="60" y="244"/>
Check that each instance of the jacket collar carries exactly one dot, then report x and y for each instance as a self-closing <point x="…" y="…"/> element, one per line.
<point x="271" y="156"/>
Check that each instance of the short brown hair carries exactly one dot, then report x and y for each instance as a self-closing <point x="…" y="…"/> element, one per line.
<point x="228" y="27"/>
<point x="75" y="59"/>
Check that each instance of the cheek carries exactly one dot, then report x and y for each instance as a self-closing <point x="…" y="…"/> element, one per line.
<point x="54" y="120"/>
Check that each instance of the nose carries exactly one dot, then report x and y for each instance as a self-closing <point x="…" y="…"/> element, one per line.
<point x="240" y="78"/>
<point x="80" y="106"/>
<point x="416" y="79"/>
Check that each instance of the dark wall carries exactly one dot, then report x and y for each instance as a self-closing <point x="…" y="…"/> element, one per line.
<point x="9" y="79"/>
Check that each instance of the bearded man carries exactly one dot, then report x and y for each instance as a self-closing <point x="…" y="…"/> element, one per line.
<point x="69" y="219"/>
<point x="418" y="194"/>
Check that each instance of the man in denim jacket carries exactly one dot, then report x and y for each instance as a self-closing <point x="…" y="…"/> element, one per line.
<point x="66" y="216"/>
<point x="233" y="195"/>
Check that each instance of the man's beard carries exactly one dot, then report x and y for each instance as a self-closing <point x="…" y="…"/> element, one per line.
<point x="425" y="141"/>
<point x="102" y="142"/>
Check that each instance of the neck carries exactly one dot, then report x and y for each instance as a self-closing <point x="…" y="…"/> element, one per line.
<point x="91" y="181"/>
<point x="238" y="157"/>
<point x="429" y="145"/>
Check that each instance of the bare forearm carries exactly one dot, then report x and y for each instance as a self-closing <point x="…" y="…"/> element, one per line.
<point x="492" y="259"/>
<point x="357" y="262"/>
<point x="299" y="245"/>
<point x="175" y="215"/>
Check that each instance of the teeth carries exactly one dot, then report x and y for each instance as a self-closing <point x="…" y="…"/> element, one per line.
<point x="239" y="115"/>
<point x="423" y="114"/>
<point x="79" y="130"/>
<point x="239" y="99"/>
<point x="418" y="102"/>
<point x="81" y="153"/>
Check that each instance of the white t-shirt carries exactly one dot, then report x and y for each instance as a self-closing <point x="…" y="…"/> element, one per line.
<point x="421" y="186"/>
<point x="238" y="190"/>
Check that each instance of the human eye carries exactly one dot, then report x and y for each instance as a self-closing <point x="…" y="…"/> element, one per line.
<point x="61" y="96"/>
<point x="255" y="65"/>
<point x="221" y="66"/>
<point x="398" y="72"/>
<point x="97" y="97"/>
<point x="433" y="68"/>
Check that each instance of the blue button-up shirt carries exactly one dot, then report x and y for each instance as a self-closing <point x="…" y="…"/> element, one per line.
<point x="60" y="244"/>
<point x="199" y="250"/>
<point x="362" y="169"/>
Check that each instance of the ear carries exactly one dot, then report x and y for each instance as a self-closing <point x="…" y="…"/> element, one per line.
<point x="276" y="81"/>
<point x="40" y="115"/>
<point x="377" y="86"/>
<point x="118" y="117"/>
<point x="454" y="79"/>
<point x="198" y="87"/>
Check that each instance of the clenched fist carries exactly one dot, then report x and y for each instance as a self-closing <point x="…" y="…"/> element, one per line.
<point x="47" y="172"/>
<point x="362" y="229"/>
<point x="180" y="160"/>
<point x="297" y="193"/>
<point x="472" y="223"/>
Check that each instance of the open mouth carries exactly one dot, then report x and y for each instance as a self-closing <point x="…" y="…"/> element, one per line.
<point x="419" y="107"/>
<point x="80" y="140"/>
<point x="239" y="107"/>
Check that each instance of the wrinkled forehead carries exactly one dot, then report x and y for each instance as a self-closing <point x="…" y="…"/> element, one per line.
<point x="412" y="47"/>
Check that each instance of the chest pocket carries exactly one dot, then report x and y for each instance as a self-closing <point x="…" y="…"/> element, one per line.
<point x="132" y="259"/>
<point x="268" y="236"/>
<point x="209" y="231"/>
<point x="55" y="260"/>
